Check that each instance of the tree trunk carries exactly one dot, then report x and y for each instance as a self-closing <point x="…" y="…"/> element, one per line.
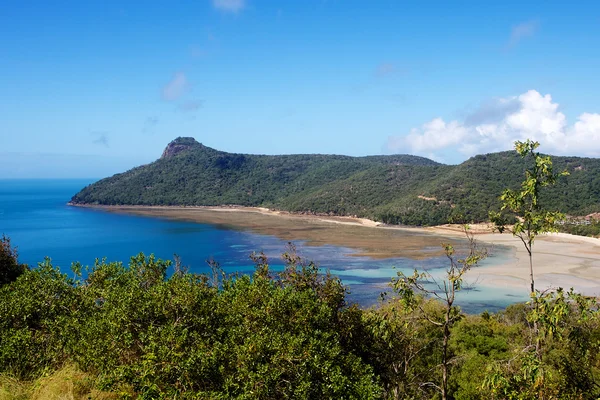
<point x="535" y="324"/>
<point x="531" y="270"/>
<point x="445" y="356"/>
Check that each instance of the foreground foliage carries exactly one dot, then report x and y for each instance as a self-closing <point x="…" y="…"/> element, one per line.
<point x="149" y="331"/>
<point x="10" y="268"/>
<point x="183" y="336"/>
<point x="66" y="383"/>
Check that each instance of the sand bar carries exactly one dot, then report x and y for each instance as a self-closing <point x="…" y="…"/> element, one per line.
<point x="559" y="259"/>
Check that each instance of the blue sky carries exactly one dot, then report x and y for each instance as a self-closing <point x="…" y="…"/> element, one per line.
<point x="89" y="89"/>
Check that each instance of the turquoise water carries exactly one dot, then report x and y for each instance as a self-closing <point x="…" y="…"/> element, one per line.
<point x="34" y="214"/>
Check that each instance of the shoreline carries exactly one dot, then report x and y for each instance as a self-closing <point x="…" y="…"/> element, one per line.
<point x="244" y="209"/>
<point x="560" y="259"/>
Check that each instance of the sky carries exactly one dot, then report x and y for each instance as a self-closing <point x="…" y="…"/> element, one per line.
<point x="89" y="89"/>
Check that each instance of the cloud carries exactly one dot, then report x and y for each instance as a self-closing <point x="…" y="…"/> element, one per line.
<point x="491" y="111"/>
<point x="101" y="139"/>
<point x="496" y="124"/>
<point x="522" y="31"/>
<point x="232" y="6"/>
<point x="586" y="132"/>
<point x="436" y="134"/>
<point x="176" y="87"/>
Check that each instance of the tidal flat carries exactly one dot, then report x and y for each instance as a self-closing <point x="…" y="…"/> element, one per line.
<point x="560" y="260"/>
<point x="366" y="237"/>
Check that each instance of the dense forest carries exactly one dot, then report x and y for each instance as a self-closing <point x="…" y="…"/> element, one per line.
<point x="395" y="189"/>
<point x="152" y="330"/>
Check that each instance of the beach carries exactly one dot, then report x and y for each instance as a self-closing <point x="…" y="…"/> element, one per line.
<point x="560" y="260"/>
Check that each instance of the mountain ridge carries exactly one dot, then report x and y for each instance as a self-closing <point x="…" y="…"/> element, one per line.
<point x="396" y="189"/>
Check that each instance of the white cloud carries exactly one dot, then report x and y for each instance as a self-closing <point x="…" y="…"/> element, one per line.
<point x="522" y="31"/>
<point x="585" y="134"/>
<point x="538" y="119"/>
<point x="435" y="134"/>
<point x="176" y="87"/>
<point x="497" y="124"/>
<point x="229" y="5"/>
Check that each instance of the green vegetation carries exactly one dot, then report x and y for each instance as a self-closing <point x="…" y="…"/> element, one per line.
<point x="186" y="335"/>
<point x="10" y="269"/>
<point x="66" y="383"/>
<point x="547" y="309"/>
<point x="592" y="228"/>
<point x="396" y="189"/>
<point x="148" y="331"/>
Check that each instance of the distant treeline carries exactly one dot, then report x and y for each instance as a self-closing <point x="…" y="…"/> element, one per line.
<point x="590" y="229"/>
<point x="152" y="330"/>
<point x="395" y="189"/>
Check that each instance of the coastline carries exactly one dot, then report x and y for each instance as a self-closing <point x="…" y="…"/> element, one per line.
<point x="232" y="208"/>
<point x="560" y="259"/>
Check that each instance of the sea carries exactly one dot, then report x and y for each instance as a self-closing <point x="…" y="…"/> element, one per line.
<point x="35" y="215"/>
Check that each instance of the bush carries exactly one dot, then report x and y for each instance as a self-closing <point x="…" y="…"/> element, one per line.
<point x="10" y="269"/>
<point x="184" y="336"/>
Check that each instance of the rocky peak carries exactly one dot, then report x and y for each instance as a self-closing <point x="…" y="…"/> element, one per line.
<point x="178" y="145"/>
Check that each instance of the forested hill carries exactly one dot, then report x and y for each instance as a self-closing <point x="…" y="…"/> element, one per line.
<point x="400" y="189"/>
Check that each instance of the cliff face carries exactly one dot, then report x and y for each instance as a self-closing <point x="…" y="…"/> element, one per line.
<point x="179" y="145"/>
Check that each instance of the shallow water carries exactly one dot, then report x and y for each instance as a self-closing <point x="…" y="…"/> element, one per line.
<point x="34" y="214"/>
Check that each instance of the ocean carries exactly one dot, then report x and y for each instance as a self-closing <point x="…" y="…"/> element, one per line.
<point x="35" y="215"/>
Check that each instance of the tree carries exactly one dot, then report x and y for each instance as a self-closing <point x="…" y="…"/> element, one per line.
<point x="410" y="287"/>
<point x="10" y="269"/>
<point x="563" y="362"/>
<point x="532" y="218"/>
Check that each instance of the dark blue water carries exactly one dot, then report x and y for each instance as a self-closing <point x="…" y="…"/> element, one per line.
<point x="34" y="214"/>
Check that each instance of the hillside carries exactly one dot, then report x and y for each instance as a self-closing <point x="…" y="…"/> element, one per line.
<point x="398" y="189"/>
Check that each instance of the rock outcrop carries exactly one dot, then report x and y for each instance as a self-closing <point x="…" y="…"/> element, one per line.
<point x="178" y="145"/>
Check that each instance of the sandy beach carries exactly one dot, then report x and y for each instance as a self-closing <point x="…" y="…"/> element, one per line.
<point x="559" y="259"/>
